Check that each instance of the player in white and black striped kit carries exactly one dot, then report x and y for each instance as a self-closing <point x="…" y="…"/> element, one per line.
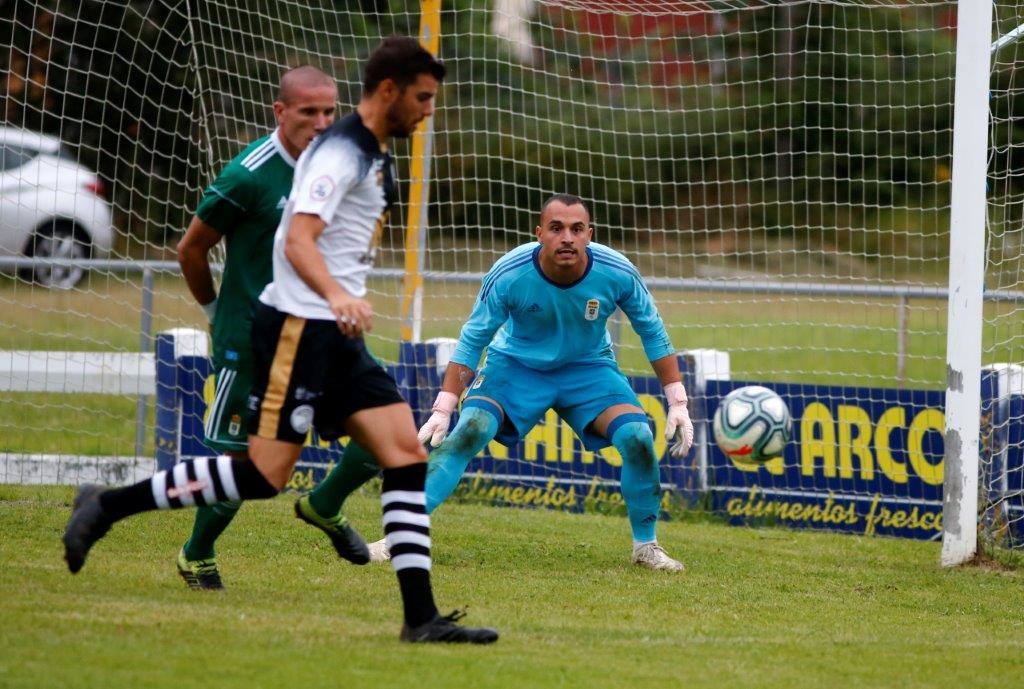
<point x="311" y="366"/>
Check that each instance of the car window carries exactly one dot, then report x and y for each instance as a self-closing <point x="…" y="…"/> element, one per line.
<point x="14" y="156"/>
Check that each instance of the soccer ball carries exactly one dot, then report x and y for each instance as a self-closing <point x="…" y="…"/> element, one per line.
<point x="752" y="423"/>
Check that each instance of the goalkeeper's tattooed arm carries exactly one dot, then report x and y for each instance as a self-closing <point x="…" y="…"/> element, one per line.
<point x="456" y="378"/>
<point x="667" y="370"/>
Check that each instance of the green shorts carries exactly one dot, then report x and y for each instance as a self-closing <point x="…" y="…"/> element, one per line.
<point x="225" y="422"/>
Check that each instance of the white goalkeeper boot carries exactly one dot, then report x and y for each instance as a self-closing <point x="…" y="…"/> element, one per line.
<point x="379" y="551"/>
<point x="653" y="556"/>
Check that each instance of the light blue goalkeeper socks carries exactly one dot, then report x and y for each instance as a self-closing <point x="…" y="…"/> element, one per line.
<point x="448" y="462"/>
<point x="631" y="435"/>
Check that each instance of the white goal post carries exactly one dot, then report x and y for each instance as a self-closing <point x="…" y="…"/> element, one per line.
<point x="966" y="282"/>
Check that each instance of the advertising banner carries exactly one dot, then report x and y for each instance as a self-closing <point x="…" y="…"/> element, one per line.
<point x="861" y="460"/>
<point x="866" y="460"/>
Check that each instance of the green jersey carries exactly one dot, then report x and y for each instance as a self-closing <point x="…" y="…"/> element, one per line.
<point x="244" y="204"/>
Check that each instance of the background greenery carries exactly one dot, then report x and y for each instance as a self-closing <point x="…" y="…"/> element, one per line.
<point x="824" y="125"/>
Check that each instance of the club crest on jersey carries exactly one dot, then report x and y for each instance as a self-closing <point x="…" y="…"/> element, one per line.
<point x="302" y="418"/>
<point x="593" y="310"/>
<point x="321" y="188"/>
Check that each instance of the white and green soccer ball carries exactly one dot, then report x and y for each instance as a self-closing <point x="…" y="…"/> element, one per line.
<point x="752" y="423"/>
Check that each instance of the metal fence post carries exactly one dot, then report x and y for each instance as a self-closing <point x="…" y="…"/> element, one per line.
<point x="901" y="342"/>
<point x="145" y="345"/>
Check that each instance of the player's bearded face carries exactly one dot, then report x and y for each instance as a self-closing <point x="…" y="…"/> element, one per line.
<point x="413" y="104"/>
<point x="564" y="234"/>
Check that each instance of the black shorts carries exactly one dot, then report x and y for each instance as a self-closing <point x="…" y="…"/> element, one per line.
<point x="306" y="373"/>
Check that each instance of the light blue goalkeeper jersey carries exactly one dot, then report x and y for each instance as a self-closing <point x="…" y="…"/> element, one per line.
<point x="544" y="325"/>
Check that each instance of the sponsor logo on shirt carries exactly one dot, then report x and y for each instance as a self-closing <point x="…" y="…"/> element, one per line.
<point x="593" y="310"/>
<point x="304" y="395"/>
<point x="321" y="188"/>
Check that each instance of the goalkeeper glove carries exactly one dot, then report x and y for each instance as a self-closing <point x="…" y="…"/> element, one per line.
<point x="436" y="427"/>
<point x="678" y="427"/>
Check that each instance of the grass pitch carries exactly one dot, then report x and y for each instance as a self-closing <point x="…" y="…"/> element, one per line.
<point x="755" y="608"/>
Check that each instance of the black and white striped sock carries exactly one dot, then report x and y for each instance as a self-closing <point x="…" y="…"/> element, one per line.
<point x="192" y="483"/>
<point x="407" y="533"/>
<point x="202" y="481"/>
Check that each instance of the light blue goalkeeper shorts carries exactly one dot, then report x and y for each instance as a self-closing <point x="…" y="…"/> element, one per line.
<point x="578" y="393"/>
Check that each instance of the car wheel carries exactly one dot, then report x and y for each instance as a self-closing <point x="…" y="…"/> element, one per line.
<point x="57" y="240"/>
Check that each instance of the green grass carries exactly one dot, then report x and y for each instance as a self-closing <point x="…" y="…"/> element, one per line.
<point x="71" y="424"/>
<point x="755" y="608"/>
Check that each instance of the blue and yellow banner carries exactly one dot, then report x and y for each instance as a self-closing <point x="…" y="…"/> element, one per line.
<point x="866" y="460"/>
<point x="862" y="460"/>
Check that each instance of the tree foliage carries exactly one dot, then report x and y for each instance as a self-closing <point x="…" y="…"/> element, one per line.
<point x="811" y="119"/>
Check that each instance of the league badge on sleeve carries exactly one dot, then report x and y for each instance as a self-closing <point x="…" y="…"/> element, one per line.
<point x="321" y="188"/>
<point x="593" y="310"/>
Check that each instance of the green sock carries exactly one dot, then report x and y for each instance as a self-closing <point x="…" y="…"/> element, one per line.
<point x="357" y="466"/>
<point x="209" y="525"/>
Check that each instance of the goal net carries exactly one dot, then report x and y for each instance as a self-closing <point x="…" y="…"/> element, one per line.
<point x="779" y="172"/>
<point x="1001" y="485"/>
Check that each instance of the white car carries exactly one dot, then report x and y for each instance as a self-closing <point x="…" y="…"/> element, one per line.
<point x="50" y="207"/>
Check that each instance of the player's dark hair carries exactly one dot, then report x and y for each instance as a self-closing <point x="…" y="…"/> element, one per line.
<point x="567" y="199"/>
<point x="401" y="59"/>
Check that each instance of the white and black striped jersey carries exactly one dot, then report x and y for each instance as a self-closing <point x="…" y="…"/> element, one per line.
<point x="347" y="178"/>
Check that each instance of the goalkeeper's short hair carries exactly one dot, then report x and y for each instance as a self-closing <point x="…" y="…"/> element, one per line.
<point x="567" y="199"/>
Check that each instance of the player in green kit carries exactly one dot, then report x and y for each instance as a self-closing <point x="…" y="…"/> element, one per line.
<point x="243" y="207"/>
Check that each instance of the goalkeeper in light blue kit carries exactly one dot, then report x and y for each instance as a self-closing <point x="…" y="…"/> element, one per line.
<point x="545" y="305"/>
